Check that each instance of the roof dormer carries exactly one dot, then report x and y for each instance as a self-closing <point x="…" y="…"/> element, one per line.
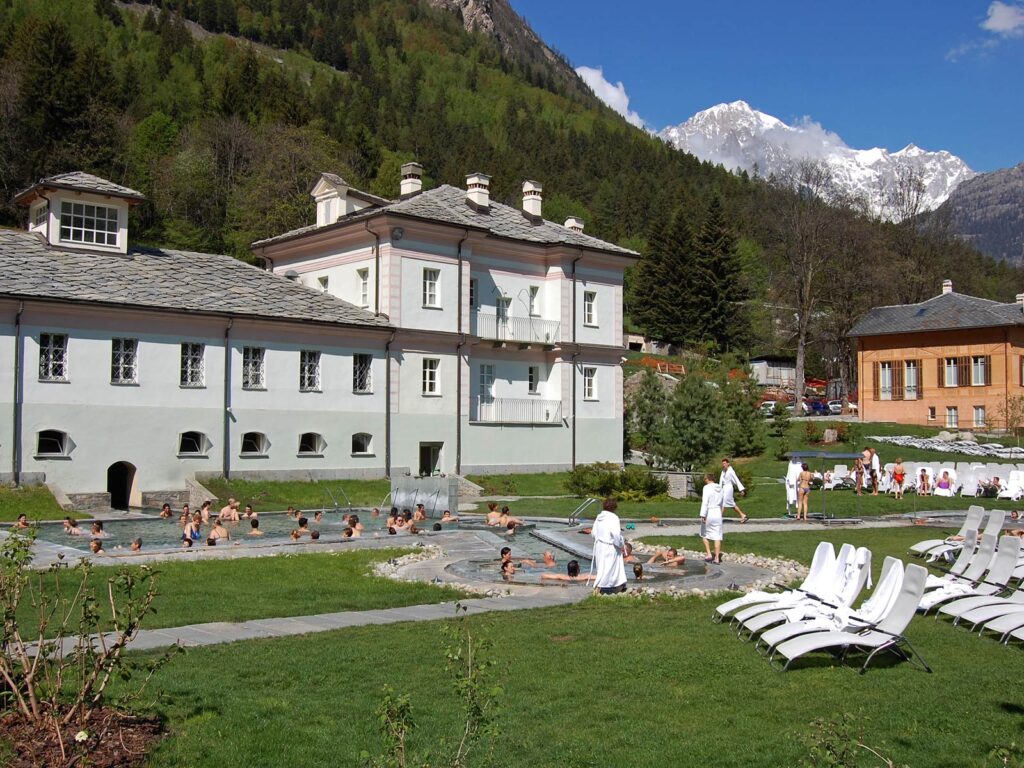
<point x="335" y="199"/>
<point x="79" y="210"/>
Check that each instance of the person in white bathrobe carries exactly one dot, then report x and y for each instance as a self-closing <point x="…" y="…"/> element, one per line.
<point x="608" y="567"/>
<point x="711" y="518"/>
<point x="792" y="481"/>
<point x="730" y="483"/>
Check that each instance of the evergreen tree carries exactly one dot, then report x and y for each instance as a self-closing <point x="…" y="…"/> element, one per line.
<point x="662" y="301"/>
<point x="646" y="415"/>
<point x="745" y="427"/>
<point x="719" y="289"/>
<point x="693" y="430"/>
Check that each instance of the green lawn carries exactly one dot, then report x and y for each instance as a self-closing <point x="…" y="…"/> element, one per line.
<point x="264" y="587"/>
<point x="36" y="501"/>
<point x="527" y="484"/>
<point x="267" y="495"/>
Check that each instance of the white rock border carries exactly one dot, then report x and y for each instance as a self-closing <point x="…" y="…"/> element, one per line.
<point x="392" y="569"/>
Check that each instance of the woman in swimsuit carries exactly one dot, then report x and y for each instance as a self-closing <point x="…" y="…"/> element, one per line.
<point x="858" y="475"/>
<point x="804" y="490"/>
<point x="899" y="474"/>
<point x="924" y="486"/>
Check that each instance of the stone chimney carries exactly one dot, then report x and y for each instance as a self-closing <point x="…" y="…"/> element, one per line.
<point x="412" y="179"/>
<point x="1020" y="301"/>
<point x="947" y="286"/>
<point x="532" y="198"/>
<point x="478" y="190"/>
<point x="574" y="223"/>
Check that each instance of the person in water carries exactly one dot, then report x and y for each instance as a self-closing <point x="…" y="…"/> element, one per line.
<point x="572" y="573"/>
<point x="668" y="556"/>
<point x="254" y="524"/>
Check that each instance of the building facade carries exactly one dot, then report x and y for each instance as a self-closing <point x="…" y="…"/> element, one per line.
<point x="953" y="361"/>
<point x="380" y="340"/>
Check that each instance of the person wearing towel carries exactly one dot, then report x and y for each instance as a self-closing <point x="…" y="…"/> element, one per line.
<point x="792" y="480"/>
<point x="711" y="518"/>
<point x="608" y="567"/>
<point x="730" y="483"/>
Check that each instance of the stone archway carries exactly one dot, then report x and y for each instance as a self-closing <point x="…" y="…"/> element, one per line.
<point x="121" y="484"/>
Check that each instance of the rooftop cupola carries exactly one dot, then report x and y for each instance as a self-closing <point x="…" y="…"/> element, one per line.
<point x="336" y="198"/>
<point x="574" y="223"/>
<point x="478" y="191"/>
<point x="533" y="198"/>
<point x="81" y="211"/>
<point x="412" y="179"/>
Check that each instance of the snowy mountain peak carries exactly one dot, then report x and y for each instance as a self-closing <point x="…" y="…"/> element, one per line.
<point x="741" y="138"/>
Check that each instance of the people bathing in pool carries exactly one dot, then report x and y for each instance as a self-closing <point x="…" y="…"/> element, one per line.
<point x="572" y="573"/>
<point x="250" y="512"/>
<point x="22" y="522"/>
<point x="191" y="529"/>
<point x="96" y="547"/>
<point x="638" y="572"/>
<point x="670" y="557"/>
<point x="303" y="529"/>
<point x="493" y="515"/>
<point x="219" y="532"/>
<point x="229" y="512"/>
<point x="97" y="532"/>
<point x="254" y="526"/>
<point x="204" y="511"/>
<point x="420" y="514"/>
<point x="165" y="511"/>
<point x="136" y="545"/>
<point x="448" y="517"/>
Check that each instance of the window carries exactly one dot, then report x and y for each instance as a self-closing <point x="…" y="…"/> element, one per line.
<point x="589" y="308"/>
<point x="87" y="223"/>
<point x="193" y="368"/>
<point x="124" y="361"/>
<point x="534" y="300"/>
<point x="885" y="381"/>
<point x="362" y="444"/>
<point x="53" y="357"/>
<point x="52" y="442"/>
<point x="589" y="383"/>
<point x="364" y="287"/>
<point x="41" y="214"/>
<point x="959" y="371"/>
<point x="931" y="413"/>
<point x="362" y="373"/>
<point x="502" y="309"/>
<point x="311" y="444"/>
<point x="430" y="383"/>
<point x="309" y="370"/>
<point x="979" y="415"/>
<point x="430" y="277"/>
<point x="910" y="378"/>
<point x="323" y="282"/>
<point x="193" y="444"/>
<point x="981" y="371"/>
<point x="534" y="379"/>
<point x="254" y="374"/>
<point x="952" y="417"/>
<point x="951" y="377"/>
<point x="255" y="444"/>
<point x="486" y="382"/>
<point x="473" y="288"/>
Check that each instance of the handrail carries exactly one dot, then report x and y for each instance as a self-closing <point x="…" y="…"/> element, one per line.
<point x="529" y="330"/>
<point x="337" y="506"/>
<point x="384" y="501"/>
<point x="515" y="410"/>
<point x="575" y="516"/>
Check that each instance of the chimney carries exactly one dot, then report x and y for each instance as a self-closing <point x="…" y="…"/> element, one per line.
<point x="478" y="190"/>
<point x="532" y="198"/>
<point x="412" y="179"/>
<point x="1020" y="301"/>
<point x="947" y="286"/>
<point x="574" y="223"/>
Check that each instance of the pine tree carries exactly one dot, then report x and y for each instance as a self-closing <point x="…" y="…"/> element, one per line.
<point x="745" y="427"/>
<point x="719" y="290"/>
<point x="662" y="301"/>
<point x="646" y="410"/>
<point x="693" y="430"/>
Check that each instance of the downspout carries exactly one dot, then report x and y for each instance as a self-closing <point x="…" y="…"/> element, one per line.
<point x="376" y="269"/>
<point x="1006" y="373"/>
<point x="16" y="442"/>
<point x="227" y="399"/>
<point x="387" y="405"/>
<point x="458" y="366"/>
<point x="575" y="354"/>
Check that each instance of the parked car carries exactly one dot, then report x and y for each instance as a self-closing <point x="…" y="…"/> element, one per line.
<point x="767" y="407"/>
<point x="835" y="407"/>
<point x="815" y="408"/>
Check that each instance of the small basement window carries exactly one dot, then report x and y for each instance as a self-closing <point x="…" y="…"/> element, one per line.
<point x="53" y="442"/>
<point x="362" y="444"/>
<point x="255" y="444"/>
<point x="311" y="444"/>
<point x="193" y="444"/>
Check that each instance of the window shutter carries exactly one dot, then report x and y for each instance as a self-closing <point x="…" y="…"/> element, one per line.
<point x="874" y="382"/>
<point x="920" y="379"/>
<point x="963" y="373"/>
<point x="897" y="381"/>
<point x="988" y="370"/>
<point x="941" y="381"/>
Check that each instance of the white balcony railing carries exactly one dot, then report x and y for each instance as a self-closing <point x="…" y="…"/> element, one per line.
<point x="515" y="410"/>
<point x="526" y="330"/>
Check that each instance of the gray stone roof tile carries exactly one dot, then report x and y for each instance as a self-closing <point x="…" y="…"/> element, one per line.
<point x="84" y="182"/>
<point x="165" y="279"/>
<point x="447" y="204"/>
<point x="947" y="311"/>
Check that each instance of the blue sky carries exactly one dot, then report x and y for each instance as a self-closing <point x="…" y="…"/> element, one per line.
<point x="942" y="74"/>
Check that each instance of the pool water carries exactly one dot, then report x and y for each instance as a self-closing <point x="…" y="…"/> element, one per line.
<point x="159" y="533"/>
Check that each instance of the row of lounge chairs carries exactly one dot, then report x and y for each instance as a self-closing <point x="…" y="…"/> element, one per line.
<point x="969" y="480"/>
<point x="966" y="447"/>
<point x="818" y="615"/>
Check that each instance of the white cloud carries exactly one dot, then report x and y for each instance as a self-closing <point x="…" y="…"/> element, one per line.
<point x="612" y="94"/>
<point x="1005" y="19"/>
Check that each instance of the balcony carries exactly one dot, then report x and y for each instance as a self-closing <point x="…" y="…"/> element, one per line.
<point x="520" y="330"/>
<point x="515" y="410"/>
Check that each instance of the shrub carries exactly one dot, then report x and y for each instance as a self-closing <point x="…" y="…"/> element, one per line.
<point x="602" y="480"/>
<point x="780" y="419"/>
<point x="637" y="479"/>
<point x="813" y="432"/>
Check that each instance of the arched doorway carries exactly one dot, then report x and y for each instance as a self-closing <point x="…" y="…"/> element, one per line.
<point x="120" y="484"/>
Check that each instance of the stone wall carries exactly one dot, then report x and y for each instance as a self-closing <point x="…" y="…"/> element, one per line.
<point x="156" y="499"/>
<point x="198" y="493"/>
<point x="90" y="501"/>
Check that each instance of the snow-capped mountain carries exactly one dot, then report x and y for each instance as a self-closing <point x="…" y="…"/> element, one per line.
<point x="741" y="139"/>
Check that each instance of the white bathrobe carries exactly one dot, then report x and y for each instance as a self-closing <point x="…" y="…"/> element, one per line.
<point x="792" y="481"/>
<point x="730" y="483"/>
<point x="608" y="568"/>
<point x="711" y="512"/>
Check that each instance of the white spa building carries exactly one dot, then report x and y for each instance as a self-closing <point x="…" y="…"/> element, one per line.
<point x="441" y="332"/>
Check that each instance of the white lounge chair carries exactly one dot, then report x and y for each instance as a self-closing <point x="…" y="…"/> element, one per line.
<point x="961" y="606"/>
<point x="953" y="485"/>
<point x="993" y="527"/>
<point x="1014" y="487"/>
<point x="969" y="485"/>
<point x="994" y="581"/>
<point x="886" y="635"/>
<point x="985" y="609"/>
<point x="930" y="474"/>
<point x="1003" y="625"/>
<point x="971" y="522"/>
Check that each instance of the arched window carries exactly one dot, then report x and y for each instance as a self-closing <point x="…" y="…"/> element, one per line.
<point x="193" y="444"/>
<point x="311" y="444"/>
<point x="255" y="444"/>
<point x="53" y="442"/>
<point x="362" y="444"/>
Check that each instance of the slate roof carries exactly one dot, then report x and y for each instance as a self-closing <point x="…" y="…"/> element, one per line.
<point x="945" y="312"/>
<point x="447" y="204"/>
<point x="180" y="281"/>
<point x="83" y="182"/>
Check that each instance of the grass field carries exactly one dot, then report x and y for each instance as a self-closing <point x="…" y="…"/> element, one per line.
<point x="36" y="501"/>
<point x="267" y="495"/>
<point x="264" y="587"/>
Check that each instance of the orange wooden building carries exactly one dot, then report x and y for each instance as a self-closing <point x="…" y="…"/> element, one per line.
<point x="952" y="361"/>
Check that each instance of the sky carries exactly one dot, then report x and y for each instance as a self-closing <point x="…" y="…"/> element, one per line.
<point x="942" y="74"/>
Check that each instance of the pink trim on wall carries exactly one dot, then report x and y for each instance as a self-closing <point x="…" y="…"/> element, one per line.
<point x="617" y="329"/>
<point x="619" y="403"/>
<point x="316" y="264"/>
<point x="393" y="284"/>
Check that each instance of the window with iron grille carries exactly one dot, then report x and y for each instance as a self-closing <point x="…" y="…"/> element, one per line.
<point x="124" y="361"/>
<point x="87" y="223"/>
<point x="430" y="383"/>
<point x="193" y="364"/>
<point x="254" y="374"/>
<point x="309" y="370"/>
<point x="430" y="278"/>
<point x="53" y="357"/>
<point x="362" y="373"/>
